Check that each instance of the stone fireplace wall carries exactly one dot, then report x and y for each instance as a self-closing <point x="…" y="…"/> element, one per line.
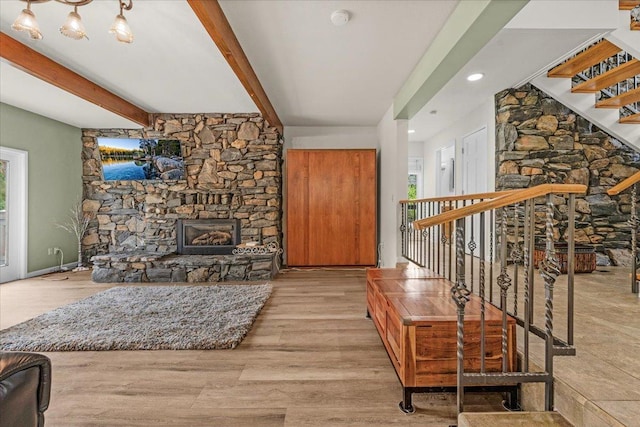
<point x="233" y="170"/>
<point x="539" y="140"/>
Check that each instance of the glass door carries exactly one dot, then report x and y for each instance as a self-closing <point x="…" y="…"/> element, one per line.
<point x="3" y="212"/>
<point x="13" y="214"/>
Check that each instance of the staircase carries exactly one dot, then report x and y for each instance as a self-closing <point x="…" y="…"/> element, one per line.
<point x="602" y="83"/>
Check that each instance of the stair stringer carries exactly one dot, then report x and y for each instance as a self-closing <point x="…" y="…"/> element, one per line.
<point x="584" y="104"/>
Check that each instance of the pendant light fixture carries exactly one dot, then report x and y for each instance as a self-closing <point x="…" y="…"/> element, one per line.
<point x="26" y="21"/>
<point x="120" y="26"/>
<point x="73" y="26"/>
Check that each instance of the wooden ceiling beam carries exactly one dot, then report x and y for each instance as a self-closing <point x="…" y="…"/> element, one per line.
<point x="38" y="65"/>
<point x="215" y="22"/>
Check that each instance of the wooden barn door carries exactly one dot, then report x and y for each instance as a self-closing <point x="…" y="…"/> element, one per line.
<point x="331" y="207"/>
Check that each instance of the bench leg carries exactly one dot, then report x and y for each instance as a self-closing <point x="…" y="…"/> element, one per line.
<point x="511" y="399"/>
<point x="406" y="406"/>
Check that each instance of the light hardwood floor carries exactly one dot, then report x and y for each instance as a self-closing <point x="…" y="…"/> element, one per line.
<point x="311" y="359"/>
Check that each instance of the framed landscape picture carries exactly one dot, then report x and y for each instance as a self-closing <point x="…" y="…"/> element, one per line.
<point x="141" y="159"/>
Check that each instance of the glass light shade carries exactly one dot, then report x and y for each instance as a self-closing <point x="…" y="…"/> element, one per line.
<point x="73" y="27"/>
<point x="26" y="21"/>
<point x="121" y="29"/>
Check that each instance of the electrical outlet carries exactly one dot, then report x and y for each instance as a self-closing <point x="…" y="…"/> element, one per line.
<point x="56" y="250"/>
<point x="49" y="251"/>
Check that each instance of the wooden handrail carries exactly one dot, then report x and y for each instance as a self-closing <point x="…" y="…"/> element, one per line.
<point x="475" y="196"/>
<point x="498" y="202"/>
<point x="623" y="185"/>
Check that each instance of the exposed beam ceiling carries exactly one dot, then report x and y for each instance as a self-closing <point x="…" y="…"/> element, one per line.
<point x="38" y="65"/>
<point x="215" y="22"/>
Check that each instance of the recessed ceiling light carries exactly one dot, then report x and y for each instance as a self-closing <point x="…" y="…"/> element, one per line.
<point x="433" y="112"/>
<point x="340" y="17"/>
<point x="475" y="77"/>
<point x="411" y="131"/>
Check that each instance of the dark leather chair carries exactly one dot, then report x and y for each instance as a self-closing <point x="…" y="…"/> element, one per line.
<point x="25" y="387"/>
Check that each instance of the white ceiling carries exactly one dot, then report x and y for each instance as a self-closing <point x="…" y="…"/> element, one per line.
<point x="314" y="73"/>
<point x="317" y="74"/>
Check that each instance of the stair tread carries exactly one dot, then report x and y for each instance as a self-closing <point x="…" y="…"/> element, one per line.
<point x="627" y="4"/>
<point x="594" y="55"/>
<point x="632" y="119"/>
<point x="511" y="419"/>
<point x="625" y="98"/>
<point x="611" y="77"/>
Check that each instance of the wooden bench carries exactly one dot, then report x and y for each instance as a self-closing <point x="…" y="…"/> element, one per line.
<point x="415" y="317"/>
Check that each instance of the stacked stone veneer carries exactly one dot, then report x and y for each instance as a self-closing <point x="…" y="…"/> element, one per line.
<point x="539" y="140"/>
<point x="233" y="170"/>
<point x="140" y="266"/>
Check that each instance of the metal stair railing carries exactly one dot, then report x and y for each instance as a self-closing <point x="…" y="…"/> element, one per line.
<point x="509" y="221"/>
<point x="631" y="185"/>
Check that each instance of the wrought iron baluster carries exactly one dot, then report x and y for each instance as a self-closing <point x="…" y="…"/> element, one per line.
<point x="419" y="236"/>
<point x="571" y="261"/>
<point x="472" y="248"/>
<point x="504" y="282"/>
<point x="403" y="228"/>
<point x="549" y="270"/>
<point x="529" y="226"/>
<point x="481" y="293"/>
<point x="423" y="241"/>
<point x="443" y="241"/>
<point x="491" y="243"/>
<point x="428" y="250"/>
<point x="460" y="295"/>
<point x="633" y="221"/>
<point x="451" y="254"/>
<point x="426" y="235"/>
<point x="413" y="236"/>
<point x="516" y="256"/>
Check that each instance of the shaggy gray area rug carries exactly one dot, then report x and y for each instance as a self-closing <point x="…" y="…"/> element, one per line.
<point x="144" y="318"/>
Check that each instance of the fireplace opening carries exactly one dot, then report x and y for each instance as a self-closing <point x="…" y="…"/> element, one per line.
<point x="208" y="236"/>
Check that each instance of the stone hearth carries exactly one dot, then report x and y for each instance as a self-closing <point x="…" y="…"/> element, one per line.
<point x="141" y="266"/>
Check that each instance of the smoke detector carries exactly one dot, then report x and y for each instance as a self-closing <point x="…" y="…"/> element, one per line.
<point x="340" y="17"/>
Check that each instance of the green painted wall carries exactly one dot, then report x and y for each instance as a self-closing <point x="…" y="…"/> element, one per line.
<point x="54" y="181"/>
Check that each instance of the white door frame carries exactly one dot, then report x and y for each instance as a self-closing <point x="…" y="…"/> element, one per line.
<point x="16" y="214"/>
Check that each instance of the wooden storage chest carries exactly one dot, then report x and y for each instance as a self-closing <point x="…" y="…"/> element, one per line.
<point x="416" y="319"/>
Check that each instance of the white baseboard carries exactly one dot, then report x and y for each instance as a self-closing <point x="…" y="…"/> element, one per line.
<point x="55" y="269"/>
